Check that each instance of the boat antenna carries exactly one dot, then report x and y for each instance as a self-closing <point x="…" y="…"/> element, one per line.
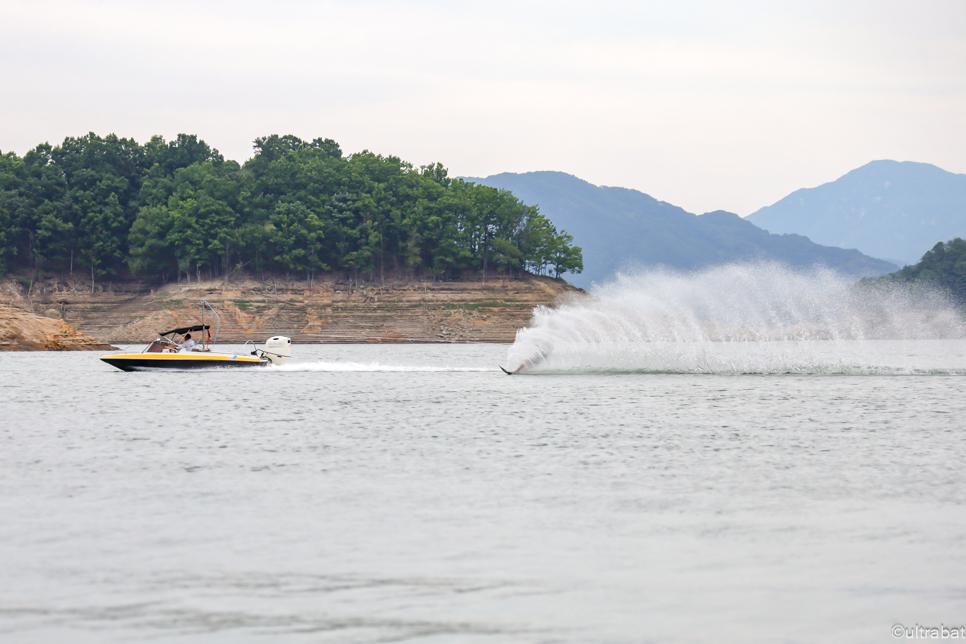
<point x="218" y="328"/>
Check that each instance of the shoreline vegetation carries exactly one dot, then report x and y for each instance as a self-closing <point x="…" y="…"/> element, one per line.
<point x="943" y="267"/>
<point x="111" y="208"/>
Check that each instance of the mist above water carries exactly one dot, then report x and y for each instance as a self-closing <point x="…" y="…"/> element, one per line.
<point x="740" y="318"/>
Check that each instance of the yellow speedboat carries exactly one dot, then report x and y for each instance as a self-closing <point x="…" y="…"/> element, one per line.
<point x="175" y="349"/>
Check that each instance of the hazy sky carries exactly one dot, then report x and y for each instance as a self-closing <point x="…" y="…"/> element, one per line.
<point x="707" y="105"/>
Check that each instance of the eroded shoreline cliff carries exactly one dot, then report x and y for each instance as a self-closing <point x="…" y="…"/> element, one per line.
<point x="327" y="310"/>
<point x="22" y="330"/>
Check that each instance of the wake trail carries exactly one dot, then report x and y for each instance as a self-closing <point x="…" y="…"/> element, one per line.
<point x="373" y="367"/>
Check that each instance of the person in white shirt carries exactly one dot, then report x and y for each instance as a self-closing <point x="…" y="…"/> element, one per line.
<point x="189" y="344"/>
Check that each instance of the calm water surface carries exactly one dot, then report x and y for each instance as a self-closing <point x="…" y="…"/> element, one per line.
<point x="414" y="493"/>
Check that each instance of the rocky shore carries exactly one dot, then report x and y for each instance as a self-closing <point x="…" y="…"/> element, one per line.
<point x="22" y="330"/>
<point x="327" y="310"/>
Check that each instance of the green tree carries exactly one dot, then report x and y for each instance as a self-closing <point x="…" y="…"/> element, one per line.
<point x="103" y="177"/>
<point x="506" y="256"/>
<point x="151" y="248"/>
<point x="565" y="257"/>
<point x="185" y="150"/>
<point x="944" y="265"/>
<point x="11" y="204"/>
<point x="297" y="237"/>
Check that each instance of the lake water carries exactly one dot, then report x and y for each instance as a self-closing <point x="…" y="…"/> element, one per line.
<point x="414" y="493"/>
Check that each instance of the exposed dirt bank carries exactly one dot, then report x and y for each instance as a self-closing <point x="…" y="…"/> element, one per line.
<point x="327" y="310"/>
<point x="21" y="330"/>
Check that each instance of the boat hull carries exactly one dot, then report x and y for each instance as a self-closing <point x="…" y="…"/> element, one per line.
<point x="179" y="361"/>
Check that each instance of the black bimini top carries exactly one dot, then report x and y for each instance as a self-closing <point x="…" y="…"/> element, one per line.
<point x="187" y="329"/>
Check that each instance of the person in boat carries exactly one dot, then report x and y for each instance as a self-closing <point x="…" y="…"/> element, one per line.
<point x="189" y="344"/>
<point x="161" y="345"/>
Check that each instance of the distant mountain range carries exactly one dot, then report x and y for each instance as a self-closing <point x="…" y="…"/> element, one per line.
<point x="888" y="209"/>
<point x="620" y="228"/>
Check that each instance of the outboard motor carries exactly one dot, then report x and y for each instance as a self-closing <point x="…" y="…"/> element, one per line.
<point x="278" y="350"/>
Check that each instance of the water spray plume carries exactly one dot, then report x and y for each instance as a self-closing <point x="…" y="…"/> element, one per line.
<point x="742" y="318"/>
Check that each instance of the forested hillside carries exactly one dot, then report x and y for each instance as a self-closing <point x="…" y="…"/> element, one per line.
<point x="110" y="205"/>
<point x="943" y="266"/>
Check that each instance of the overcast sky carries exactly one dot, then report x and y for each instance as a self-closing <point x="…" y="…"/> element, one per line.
<point x="707" y="105"/>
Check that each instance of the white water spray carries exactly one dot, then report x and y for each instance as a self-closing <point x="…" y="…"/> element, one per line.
<point x="744" y="318"/>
